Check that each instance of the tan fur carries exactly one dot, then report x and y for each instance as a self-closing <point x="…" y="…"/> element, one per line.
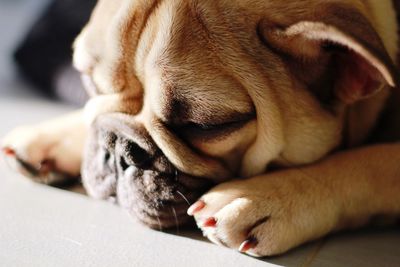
<point x="61" y="139"/>
<point x="168" y="63"/>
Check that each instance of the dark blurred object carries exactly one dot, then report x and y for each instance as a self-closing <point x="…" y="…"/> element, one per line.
<point x="44" y="56"/>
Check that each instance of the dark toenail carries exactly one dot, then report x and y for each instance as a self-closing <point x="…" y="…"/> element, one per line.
<point x="46" y="166"/>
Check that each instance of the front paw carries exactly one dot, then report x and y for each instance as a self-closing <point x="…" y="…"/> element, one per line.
<point x="40" y="154"/>
<point x="265" y="217"/>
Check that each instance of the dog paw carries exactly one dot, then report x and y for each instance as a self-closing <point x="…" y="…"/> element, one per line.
<point x="41" y="154"/>
<point x="263" y="217"/>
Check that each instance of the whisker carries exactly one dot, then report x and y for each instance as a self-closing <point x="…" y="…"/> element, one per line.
<point x="176" y="220"/>
<point x="183" y="196"/>
<point x="159" y="224"/>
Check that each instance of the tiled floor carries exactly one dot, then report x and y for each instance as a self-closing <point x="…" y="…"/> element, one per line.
<point x="43" y="226"/>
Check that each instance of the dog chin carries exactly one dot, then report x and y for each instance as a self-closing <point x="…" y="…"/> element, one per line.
<point x="159" y="200"/>
<point x="121" y="162"/>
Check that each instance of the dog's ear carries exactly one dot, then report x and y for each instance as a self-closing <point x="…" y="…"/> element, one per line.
<point x="362" y="64"/>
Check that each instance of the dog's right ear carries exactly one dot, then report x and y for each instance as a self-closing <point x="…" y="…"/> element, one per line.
<point x="362" y="64"/>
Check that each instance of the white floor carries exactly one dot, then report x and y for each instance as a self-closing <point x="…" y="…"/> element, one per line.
<point x="44" y="226"/>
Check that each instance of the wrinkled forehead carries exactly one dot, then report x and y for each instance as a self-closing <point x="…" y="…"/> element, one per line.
<point x="168" y="51"/>
<point x="178" y="61"/>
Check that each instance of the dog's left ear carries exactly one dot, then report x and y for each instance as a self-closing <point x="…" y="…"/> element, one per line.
<point x="361" y="61"/>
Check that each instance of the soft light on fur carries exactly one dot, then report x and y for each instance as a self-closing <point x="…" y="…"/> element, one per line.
<point x="226" y="89"/>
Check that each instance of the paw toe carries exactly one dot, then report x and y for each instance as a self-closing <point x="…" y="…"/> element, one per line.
<point x="196" y="207"/>
<point x="229" y="224"/>
<point x="9" y="152"/>
<point x="45" y="172"/>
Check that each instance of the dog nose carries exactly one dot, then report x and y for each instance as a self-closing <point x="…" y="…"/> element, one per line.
<point x="134" y="155"/>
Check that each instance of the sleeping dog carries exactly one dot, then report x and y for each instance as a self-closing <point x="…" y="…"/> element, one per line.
<point x="275" y="120"/>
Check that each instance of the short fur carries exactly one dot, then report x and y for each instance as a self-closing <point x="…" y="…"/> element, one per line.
<point x="189" y="94"/>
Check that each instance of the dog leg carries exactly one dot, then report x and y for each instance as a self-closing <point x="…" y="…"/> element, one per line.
<point x="49" y="152"/>
<point x="270" y="214"/>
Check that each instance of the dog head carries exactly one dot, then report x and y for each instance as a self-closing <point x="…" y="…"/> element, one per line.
<point x="187" y="94"/>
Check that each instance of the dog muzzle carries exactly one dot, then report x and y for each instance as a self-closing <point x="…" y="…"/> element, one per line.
<point x="122" y="162"/>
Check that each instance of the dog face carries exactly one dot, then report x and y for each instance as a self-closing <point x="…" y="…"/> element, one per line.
<point x="187" y="94"/>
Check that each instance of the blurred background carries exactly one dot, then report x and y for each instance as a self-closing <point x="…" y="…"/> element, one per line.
<point x="36" y="48"/>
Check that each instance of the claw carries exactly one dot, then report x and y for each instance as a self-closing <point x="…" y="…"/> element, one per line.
<point x="248" y="244"/>
<point x="9" y="152"/>
<point x="196" y="207"/>
<point x="210" y="222"/>
<point x="46" y="167"/>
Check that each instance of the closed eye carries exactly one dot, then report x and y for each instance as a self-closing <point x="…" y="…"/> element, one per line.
<point x="205" y="131"/>
<point x="212" y="127"/>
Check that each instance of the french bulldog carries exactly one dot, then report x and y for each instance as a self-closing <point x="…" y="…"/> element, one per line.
<point x="286" y="111"/>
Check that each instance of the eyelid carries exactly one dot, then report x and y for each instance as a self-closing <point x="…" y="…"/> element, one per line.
<point x="208" y="127"/>
<point x="220" y="121"/>
<point x="215" y="130"/>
